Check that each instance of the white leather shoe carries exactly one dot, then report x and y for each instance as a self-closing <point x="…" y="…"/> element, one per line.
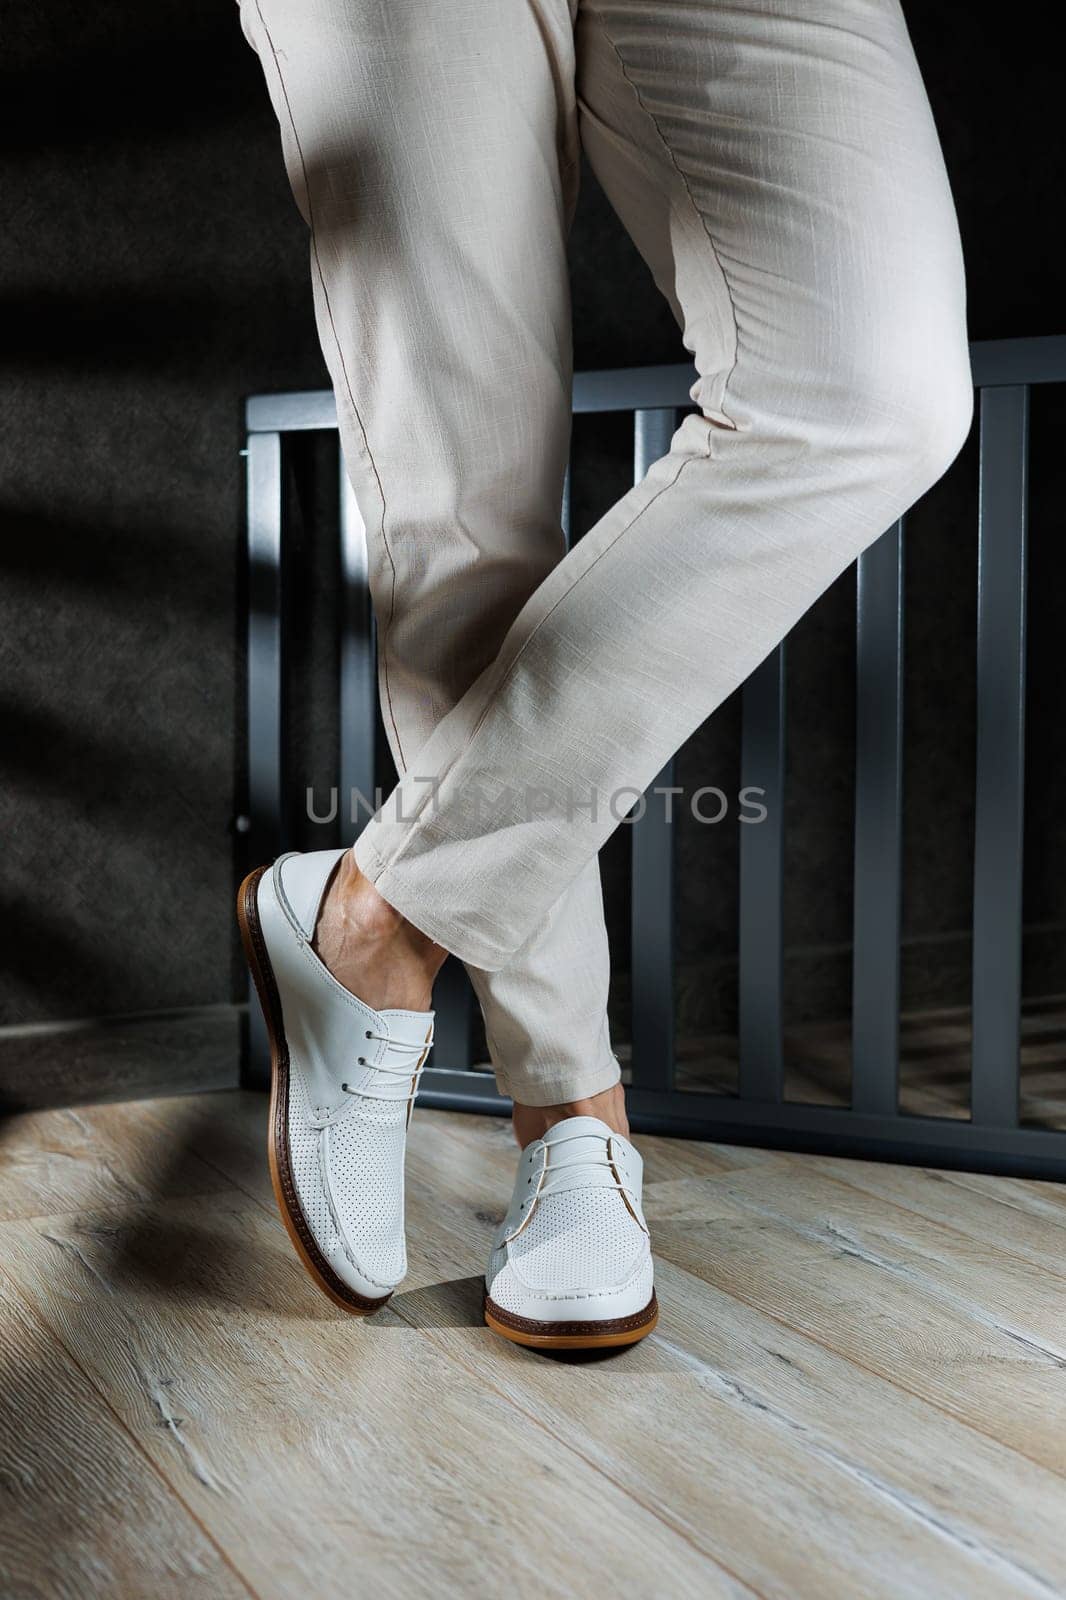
<point x="343" y="1085"/>
<point x="571" y="1262"/>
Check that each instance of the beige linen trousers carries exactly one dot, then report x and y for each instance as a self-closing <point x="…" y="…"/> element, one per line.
<point x="777" y="164"/>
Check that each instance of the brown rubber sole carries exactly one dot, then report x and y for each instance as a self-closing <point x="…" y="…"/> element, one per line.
<point x="278" y="1127"/>
<point x="571" y="1335"/>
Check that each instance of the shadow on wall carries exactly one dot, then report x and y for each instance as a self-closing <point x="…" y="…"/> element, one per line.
<point x="154" y="270"/>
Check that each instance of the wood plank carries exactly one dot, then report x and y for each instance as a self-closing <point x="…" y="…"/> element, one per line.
<point x="971" y="1276"/>
<point x="96" y="1157"/>
<point x="1031" y="1195"/>
<point x="809" y="1474"/>
<point x="815" y="1414"/>
<point x="459" y="1173"/>
<point x="228" y="1132"/>
<point x="319" y="1451"/>
<point x="82" y="1511"/>
<point x="984" y="1216"/>
<point x="750" y="1390"/>
<point x="972" y="1331"/>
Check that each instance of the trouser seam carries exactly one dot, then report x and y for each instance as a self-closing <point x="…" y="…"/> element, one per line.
<point x="702" y="220"/>
<point x="347" y="380"/>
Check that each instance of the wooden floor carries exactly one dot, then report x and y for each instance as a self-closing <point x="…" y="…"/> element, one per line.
<point x="857" y="1388"/>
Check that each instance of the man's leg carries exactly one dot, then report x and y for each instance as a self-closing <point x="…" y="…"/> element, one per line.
<point x="778" y="165"/>
<point x="433" y="152"/>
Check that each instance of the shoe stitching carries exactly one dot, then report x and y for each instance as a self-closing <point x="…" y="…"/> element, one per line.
<point x="322" y="1168"/>
<point x="591" y="1294"/>
<point x="578" y="1294"/>
<point x="639" y="1319"/>
<point x="322" y="1177"/>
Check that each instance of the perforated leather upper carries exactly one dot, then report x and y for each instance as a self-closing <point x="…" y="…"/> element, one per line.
<point x="351" y="1073"/>
<point x="574" y="1241"/>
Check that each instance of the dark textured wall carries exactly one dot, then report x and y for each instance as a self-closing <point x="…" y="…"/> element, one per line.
<point x="153" y="273"/>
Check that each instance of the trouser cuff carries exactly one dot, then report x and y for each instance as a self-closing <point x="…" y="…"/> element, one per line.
<point x="473" y="948"/>
<point x="560" y="1089"/>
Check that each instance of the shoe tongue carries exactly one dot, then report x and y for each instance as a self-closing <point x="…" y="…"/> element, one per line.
<point x="592" y="1126"/>
<point x="577" y="1155"/>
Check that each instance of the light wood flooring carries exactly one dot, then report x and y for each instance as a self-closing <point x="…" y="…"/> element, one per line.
<point x="857" y="1387"/>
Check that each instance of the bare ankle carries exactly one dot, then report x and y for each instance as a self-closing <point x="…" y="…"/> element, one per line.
<point x="370" y="947"/>
<point x="352" y="897"/>
<point x="533" y="1122"/>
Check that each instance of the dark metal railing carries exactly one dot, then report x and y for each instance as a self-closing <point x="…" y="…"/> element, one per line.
<point x="873" y="1125"/>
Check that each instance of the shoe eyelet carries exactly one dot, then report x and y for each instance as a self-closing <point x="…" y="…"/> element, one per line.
<point x="368" y="1033"/>
<point x="361" y="1062"/>
<point x="344" y="1088"/>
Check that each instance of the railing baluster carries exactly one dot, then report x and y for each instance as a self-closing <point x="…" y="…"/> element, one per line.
<point x="993" y="1140"/>
<point x="878" y="826"/>
<point x="266" y="757"/>
<point x="761" y="962"/>
<point x="997" y="900"/>
<point x="652" y="864"/>
<point x="266" y="711"/>
<point x="358" y="680"/>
